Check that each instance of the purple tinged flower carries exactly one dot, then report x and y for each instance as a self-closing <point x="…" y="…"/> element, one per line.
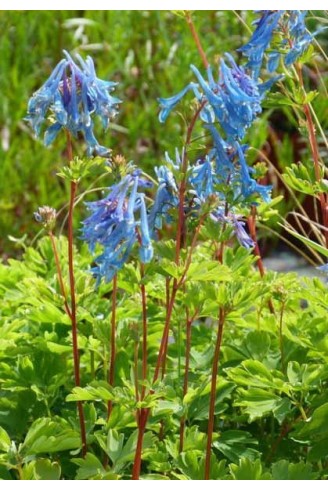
<point x="238" y="226"/>
<point x="114" y="224"/>
<point x="243" y="238"/>
<point x="72" y="96"/>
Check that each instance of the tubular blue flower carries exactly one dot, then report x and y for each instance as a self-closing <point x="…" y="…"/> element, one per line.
<point x="202" y="179"/>
<point x="166" y="197"/>
<point x="168" y="104"/>
<point x="248" y="185"/>
<point x="113" y="224"/>
<point x="72" y="95"/>
<point x="289" y="23"/>
<point x="300" y="38"/>
<point x="260" y="40"/>
<point x="146" y="248"/>
<point x="223" y="153"/>
<point x="235" y="99"/>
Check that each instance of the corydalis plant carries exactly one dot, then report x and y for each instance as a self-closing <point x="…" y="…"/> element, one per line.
<point x="69" y="99"/>
<point x="117" y="223"/>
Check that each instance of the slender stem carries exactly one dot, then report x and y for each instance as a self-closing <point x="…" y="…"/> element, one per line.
<point x="186" y="373"/>
<point x="136" y="373"/>
<point x="59" y="274"/>
<point x="196" y="39"/>
<point x="76" y="359"/>
<point x="183" y="186"/>
<point x="281" y="340"/>
<point x="215" y="364"/>
<point x="315" y="155"/>
<point x="111" y="370"/>
<point x="256" y="251"/>
<point x="167" y="301"/>
<point x="143" y="416"/>
<point x="144" y="331"/>
<point x="162" y="354"/>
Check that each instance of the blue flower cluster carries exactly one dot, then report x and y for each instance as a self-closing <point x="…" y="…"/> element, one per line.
<point x="228" y="105"/>
<point x="117" y="223"/>
<point x="71" y="96"/>
<point x="293" y="41"/>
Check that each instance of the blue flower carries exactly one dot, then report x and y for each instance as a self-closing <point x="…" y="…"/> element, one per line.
<point x="248" y="185"/>
<point x="166" y="197"/>
<point x="114" y="224"/>
<point x="261" y="38"/>
<point x="167" y="104"/>
<point x="223" y="154"/>
<point x="202" y="179"/>
<point x="72" y="95"/>
<point x="235" y="98"/>
<point x="146" y="248"/>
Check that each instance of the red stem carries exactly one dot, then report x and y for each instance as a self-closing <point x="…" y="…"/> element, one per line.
<point x="111" y="371"/>
<point x="213" y="393"/>
<point x="197" y="40"/>
<point x="143" y="416"/>
<point x="76" y="359"/>
<point x="161" y="359"/>
<point x="73" y="314"/>
<point x="315" y="154"/>
<point x="59" y="274"/>
<point x="256" y="251"/>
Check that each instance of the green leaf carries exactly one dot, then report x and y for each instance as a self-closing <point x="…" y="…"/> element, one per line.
<point x="90" y="393"/>
<point x="50" y="436"/>
<point x="315" y="429"/>
<point x="45" y="469"/>
<point x="4" y="441"/>
<point x="277" y="100"/>
<point x="90" y="468"/>
<point x="301" y="178"/>
<point x="257" y="402"/>
<point x="234" y="444"/>
<point x="255" y="373"/>
<point x="208" y="271"/>
<point x="258" y="344"/>
<point x="248" y="470"/>
<point x="284" y="470"/>
<point x="121" y="453"/>
<point x="192" y="465"/>
<point x="318" y="451"/>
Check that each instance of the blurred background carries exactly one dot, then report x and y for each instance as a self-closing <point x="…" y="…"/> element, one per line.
<point x="148" y="53"/>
